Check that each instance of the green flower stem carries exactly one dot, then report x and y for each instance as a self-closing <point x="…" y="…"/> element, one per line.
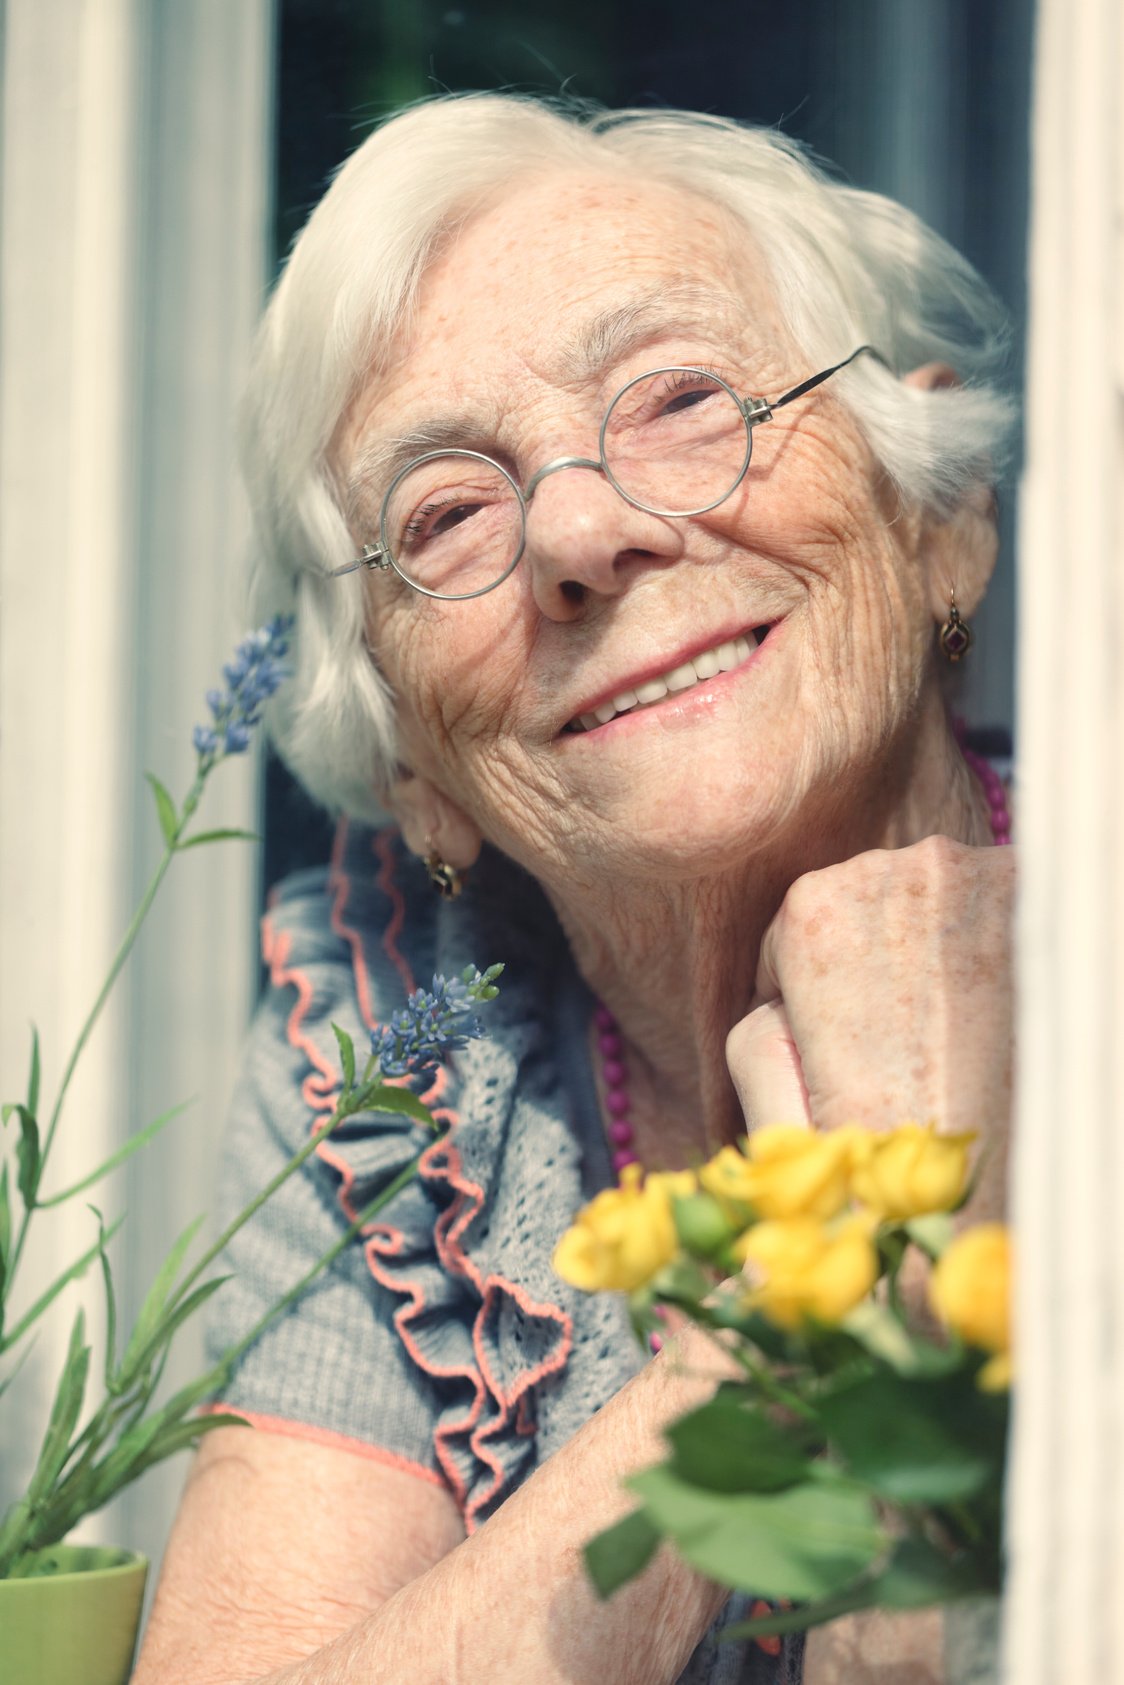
<point x="345" y="1109"/>
<point x="122" y="954"/>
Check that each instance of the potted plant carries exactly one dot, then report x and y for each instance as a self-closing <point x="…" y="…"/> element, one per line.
<point x="855" y="1457"/>
<point x="69" y="1613"/>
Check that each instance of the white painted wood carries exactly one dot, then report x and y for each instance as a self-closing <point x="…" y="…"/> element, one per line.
<point x="1066" y="1592"/>
<point x="133" y="262"/>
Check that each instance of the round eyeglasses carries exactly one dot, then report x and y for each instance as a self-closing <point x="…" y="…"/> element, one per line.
<point x="675" y="442"/>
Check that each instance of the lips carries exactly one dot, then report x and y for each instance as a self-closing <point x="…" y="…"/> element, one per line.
<point x="707" y="664"/>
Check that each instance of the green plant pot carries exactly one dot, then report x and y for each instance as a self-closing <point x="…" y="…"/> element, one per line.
<point x="74" y="1620"/>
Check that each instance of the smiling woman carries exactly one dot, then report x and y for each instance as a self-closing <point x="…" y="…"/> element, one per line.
<point x="622" y="472"/>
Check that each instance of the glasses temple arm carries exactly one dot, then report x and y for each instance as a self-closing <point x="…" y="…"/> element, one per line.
<point x="818" y="379"/>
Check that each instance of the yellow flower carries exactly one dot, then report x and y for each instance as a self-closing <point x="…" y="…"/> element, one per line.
<point x="625" y="1236"/>
<point x="970" y="1290"/>
<point x="910" y="1171"/>
<point x="790" y="1171"/>
<point x="803" y="1268"/>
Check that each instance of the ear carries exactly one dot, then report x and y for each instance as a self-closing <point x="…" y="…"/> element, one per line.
<point x="958" y="549"/>
<point x="431" y="822"/>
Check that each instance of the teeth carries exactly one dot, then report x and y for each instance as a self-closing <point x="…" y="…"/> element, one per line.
<point x="706" y="666"/>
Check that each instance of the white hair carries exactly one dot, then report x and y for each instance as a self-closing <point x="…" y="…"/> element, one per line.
<point x="848" y="267"/>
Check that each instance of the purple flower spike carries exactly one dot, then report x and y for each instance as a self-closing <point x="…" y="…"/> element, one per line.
<point x="255" y="673"/>
<point x="433" y="1022"/>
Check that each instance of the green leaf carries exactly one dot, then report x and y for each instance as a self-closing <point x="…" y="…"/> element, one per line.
<point x="27" y="1157"/>
<point x="932" y="1439"/>
<point x="729" y="1446"/>
<point x="618" y="1554"/>
<point x="225" y="833"/>
<point x="165" y="810"/>
<point x="347" y="1056"/>
<point x="918" y="1574"/>
<point x="33" y="1077"/>
<point x="132" y="1145"/>
<point x="804" y="1616"/>
<point x="110" y="1303"/>
<point x="64" y="1414"/>
<point x="807" y="1542"/>
<point x="5" y="1226"/>
<point x="151" y="1310"/>
<point x="878" y="1331"/>
<point x="76" y="1269"/>
<point x="383" y="1097"/>
<point x="933" y="1232"/>
<point x="166" y="1327"/>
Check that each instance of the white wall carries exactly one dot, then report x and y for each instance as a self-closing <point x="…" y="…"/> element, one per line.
<point x="136" y="146"/>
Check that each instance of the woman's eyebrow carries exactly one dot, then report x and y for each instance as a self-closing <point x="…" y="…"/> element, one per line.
<point x="682" y="307"/>
<point x="376" y="462"/>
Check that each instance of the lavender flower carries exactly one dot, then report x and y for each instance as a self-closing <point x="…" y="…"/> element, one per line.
<point x="252" y="677"/>
<point x="433" y="1022"/>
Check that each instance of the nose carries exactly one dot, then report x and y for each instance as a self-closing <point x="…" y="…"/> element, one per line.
<point x="583" y="538"/>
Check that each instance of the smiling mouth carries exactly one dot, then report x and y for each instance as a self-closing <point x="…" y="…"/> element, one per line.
<point x="707" y="665"/>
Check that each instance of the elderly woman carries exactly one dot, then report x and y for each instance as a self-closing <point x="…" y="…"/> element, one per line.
<point x="629" y="482"/>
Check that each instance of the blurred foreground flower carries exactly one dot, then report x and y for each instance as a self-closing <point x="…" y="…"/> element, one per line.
<point x="911" y="1170"/>
<point x="858" y="1461"/>
<point x="802" y="1268"/>
<point x="626" y="1235"/>
<point x="789" y="1171"/>
<point x="970" y="1290"/>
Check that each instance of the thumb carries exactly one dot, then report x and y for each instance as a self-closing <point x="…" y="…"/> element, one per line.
<point x="765" y="1066"/>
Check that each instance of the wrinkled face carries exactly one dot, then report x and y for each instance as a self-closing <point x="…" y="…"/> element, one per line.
<point x="791" y="622"/>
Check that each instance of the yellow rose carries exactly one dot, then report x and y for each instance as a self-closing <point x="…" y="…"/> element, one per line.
<point x="910" y="1170"/>
<point x="790" y="1171"/>
<point x="625" y="1236"/>
<point x="802" y="1268"/>
<point x="970" y="1290"/>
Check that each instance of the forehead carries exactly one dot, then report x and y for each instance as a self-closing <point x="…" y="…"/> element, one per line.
<point x="555" y="277"/>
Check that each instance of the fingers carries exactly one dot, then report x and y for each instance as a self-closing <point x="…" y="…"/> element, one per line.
<point x="765" y="1066"/>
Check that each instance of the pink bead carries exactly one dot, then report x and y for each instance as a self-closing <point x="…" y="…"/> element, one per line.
<point x="996" y="794"/>
<point x="624" y="1158"/>
<point x="604" y="1019"/>
<point x="614" y="1073"/>
<point x="620" y="1133"/>
<point x="618" y="1103"/>
<point x="655" y="1342"/>
<point x="660" y="1311"/>
<point x="610" y="1044"/>
<point x="1002" y="838"/>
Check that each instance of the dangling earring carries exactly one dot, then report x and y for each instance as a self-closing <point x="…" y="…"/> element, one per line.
<point x="955" y="635"/>
<point x="446" y="879"/>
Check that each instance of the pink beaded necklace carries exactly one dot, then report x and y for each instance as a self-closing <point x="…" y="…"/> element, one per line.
<point x="614" y="1072"/>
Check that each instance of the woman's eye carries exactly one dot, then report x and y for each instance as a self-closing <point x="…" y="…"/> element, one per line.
<point x="687" y="400"/>
<point x="439" y="518"/>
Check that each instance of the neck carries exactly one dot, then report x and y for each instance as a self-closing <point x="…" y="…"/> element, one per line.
<point x="676" y="961"/>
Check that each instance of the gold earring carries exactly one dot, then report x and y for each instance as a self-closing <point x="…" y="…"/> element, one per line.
<point x="446" y="879"/>
<point x="955" y="635"/>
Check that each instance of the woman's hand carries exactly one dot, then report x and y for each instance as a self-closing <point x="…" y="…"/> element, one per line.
<point x="884" y="993"/>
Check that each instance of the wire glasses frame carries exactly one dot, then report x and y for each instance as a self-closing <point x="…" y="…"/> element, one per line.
<point x="752" y="411"/>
